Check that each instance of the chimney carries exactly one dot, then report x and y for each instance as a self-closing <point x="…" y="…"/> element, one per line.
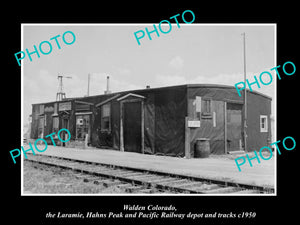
<point x="107" y="86"/>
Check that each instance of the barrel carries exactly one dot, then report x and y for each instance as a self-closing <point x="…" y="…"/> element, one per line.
<point x="202" y="148"/>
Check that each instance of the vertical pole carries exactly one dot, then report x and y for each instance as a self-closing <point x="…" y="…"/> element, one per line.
<point x="187" y="145"/>
<point x="86" y="141"/>
<point x="225" y="126"/>
<point x="107" y="84"/>
<point x="121" y="128"/>
<point x="245" y="95"/>
<point x="142" y="126"/>
<point x="88" y="89"/>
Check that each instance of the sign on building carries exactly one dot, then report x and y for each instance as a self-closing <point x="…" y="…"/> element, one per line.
<point x="63" y="106"/>
<point x="194" y="123"/>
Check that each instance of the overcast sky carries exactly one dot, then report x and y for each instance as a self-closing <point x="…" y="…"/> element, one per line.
<point x="194" y="53"/>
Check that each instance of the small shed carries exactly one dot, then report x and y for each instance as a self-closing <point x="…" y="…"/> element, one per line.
<point x="162" y="121"/>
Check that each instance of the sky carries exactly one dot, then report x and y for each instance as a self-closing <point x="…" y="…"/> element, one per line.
<point x="193" y="53"/>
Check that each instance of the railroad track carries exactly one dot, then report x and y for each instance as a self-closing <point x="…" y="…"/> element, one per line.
<point x="135" y="180"/>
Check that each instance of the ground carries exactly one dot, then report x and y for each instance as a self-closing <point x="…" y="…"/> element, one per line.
<point x="214" y="167"/>
<point x="51" y="181"/>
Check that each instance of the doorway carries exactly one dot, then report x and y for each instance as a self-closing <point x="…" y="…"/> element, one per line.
<point x="132" y="123"/>
<point x="132" y="126"/>
<point x="234" y="126"/>
<point x="83" y="127"/>
<point x="64" y="124"/>
<point x="41" y="127"/>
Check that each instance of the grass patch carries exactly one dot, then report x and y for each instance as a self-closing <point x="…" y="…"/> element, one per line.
<point x="49" y="180"/>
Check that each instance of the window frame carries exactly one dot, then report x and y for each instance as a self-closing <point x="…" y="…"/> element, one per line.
<point x="207" y="110"/>
<point x="263" y="125"/>
<point x="207" y="107"/>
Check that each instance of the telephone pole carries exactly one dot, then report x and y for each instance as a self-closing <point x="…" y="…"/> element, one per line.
<point x="88" y="88"/>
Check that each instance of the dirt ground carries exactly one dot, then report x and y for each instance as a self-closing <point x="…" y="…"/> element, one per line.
<point x="215" y="167"/>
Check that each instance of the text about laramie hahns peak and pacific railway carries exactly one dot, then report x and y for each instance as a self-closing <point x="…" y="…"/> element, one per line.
<point x="149" y="212"/>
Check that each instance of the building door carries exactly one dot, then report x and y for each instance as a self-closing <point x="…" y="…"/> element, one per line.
<point x="234" y="126"/>
<point x="65" y="124"/>
<point x="83" y="127"/>
<point x="132" y="126"/>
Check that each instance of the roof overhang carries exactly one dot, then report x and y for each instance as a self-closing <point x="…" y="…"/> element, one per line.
<point x="130" y="95"/>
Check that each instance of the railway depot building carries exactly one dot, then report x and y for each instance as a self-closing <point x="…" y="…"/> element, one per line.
<point x="161" y="121"/>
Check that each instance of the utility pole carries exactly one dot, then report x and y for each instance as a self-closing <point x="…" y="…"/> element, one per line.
<point x="88" y="90"/>
<point x="245" y="95"/>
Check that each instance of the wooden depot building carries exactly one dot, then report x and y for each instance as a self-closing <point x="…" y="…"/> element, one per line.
<point x="162" y="121"/>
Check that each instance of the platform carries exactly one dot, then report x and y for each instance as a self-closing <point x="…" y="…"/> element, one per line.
<point x="220" y="167"/>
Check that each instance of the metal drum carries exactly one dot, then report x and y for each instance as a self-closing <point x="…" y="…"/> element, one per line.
<point x="202" y="148"/>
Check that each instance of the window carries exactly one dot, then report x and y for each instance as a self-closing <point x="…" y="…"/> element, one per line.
<point x="105" y="117"/>
<point x="263" y="123"/>
<point x="206" y="109"/>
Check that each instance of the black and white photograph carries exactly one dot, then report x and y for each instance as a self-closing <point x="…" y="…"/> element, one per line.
<point x="158" y="117"/>
<point x="162" y="117"/>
